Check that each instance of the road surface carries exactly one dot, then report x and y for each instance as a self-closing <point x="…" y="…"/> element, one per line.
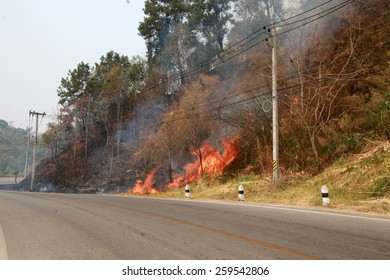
<point x="9" y="180"/>
<point x="69" y="226"/>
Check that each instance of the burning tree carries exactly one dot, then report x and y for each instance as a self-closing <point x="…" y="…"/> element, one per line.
<point x="213" y="163"/>
<point x="194" y="119"/>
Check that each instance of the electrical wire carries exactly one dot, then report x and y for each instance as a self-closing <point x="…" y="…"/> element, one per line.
<point x="190" y="72"/>
<point x="151" y="128"/>
<point x="330" y="10"/>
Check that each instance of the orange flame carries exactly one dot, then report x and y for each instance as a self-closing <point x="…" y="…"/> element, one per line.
<point x="147" y="187"/>
<point x="213" y="162"/>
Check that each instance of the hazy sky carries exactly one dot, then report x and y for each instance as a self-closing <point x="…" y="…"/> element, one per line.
<point x="41" y="40"/>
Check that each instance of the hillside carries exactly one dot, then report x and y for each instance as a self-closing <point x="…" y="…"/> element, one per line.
<point x="201" y="108"/>
<point x="12" y="149"/>
<point x="13" y="146"/>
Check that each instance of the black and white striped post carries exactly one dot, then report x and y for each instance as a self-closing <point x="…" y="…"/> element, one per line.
<point x="241" y="192"/>
<point x="187" y="190"/>
<point x="325" y="195"/>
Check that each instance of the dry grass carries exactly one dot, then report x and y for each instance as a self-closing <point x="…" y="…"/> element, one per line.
<point x="357" y="183"/>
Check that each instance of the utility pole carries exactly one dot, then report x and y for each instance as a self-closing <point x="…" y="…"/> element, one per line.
<point x="275" y="119"/>
<point x="36" y="114"/>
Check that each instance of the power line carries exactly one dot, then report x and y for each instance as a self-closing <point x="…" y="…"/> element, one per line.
<point x="217" y="105"/>
<point x="302" y="13"/>
<point x="248" y="88"/>
<point x="220" y="57"/>
<point x="326" y="12"/>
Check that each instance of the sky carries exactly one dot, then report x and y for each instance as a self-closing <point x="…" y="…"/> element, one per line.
<point x="41" y="40"/>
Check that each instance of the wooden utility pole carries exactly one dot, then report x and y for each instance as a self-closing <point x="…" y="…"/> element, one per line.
<point x="36" y="114"/>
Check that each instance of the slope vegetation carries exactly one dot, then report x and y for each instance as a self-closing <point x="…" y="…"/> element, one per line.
<point x="359" y="182"/>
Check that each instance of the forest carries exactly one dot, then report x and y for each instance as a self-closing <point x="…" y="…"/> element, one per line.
<point x="200" y="102"/>
<point x="13" y="149"/>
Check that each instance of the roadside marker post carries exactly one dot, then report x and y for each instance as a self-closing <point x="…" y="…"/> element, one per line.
<point x="325" y="195"/>
<point x="241" y="192"/>
<point x="187" y="191"/>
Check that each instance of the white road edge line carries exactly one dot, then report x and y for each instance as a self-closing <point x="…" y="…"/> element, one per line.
<point x="282" y="208"/>
<point x="305" y="211"/>
<point x="3" y="246"/>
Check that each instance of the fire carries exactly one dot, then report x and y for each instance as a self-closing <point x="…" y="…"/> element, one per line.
<point x="147" y="187"/>
<point x="213" y="163"/>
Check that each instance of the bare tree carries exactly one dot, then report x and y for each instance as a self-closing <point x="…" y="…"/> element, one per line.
<point x="324" y="71"/>
<point x="193" y="119"/>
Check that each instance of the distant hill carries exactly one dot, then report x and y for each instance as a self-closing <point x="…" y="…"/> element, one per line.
<point x="13" y="146"/>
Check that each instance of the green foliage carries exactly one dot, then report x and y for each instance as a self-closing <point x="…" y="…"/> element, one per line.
<point x="377" y="119"/>
<point x="3" y="125"/>
<point x="381" y="187"/>
<point x="347" y="144"/>
<point x="211" y="18"/>
<point x="13" y="144"/>
<point x="160" y="17"/>
<point x="180" y="34"/>
<point x="75" y="85"/>
<point x="250" y="16"/>
<point x="373" y="160"/>
<point x="92" y="95"/>
<point x="12" y="149"/>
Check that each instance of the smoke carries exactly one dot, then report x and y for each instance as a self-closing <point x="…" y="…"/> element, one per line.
<point x="240" y="103"/>
<point x="47" y="188"/>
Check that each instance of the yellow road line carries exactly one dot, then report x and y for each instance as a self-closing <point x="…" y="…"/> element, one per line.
<point x="220" y="232"/>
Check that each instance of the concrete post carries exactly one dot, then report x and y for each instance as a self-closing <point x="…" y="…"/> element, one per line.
<point x="187" y="190"/>
<point x="241" y="192"/>
<point x="325" y="195"/>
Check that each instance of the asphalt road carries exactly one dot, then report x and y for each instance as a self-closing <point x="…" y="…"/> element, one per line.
<point x="9" y="180"/>
<point x="64" y="226"/>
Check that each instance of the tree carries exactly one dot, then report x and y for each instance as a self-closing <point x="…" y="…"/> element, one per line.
<point x="251" y="16"/>
<point x="3" y="125"/>
<point x="247" y="107"/>
<point x="193" y="121"/>
<point x="50" y="139"/>
<point x="13" y="149"/>
<point x="324" y="71"/>
<point x="185" y="126"/>
<point x="178" y="54"/>
<point x="160" y="17"/>
<point x="210" y="20"/>
<point x="119" y="81"/>
<point x="75" y="93"/>
<point x="158" y="149"/>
